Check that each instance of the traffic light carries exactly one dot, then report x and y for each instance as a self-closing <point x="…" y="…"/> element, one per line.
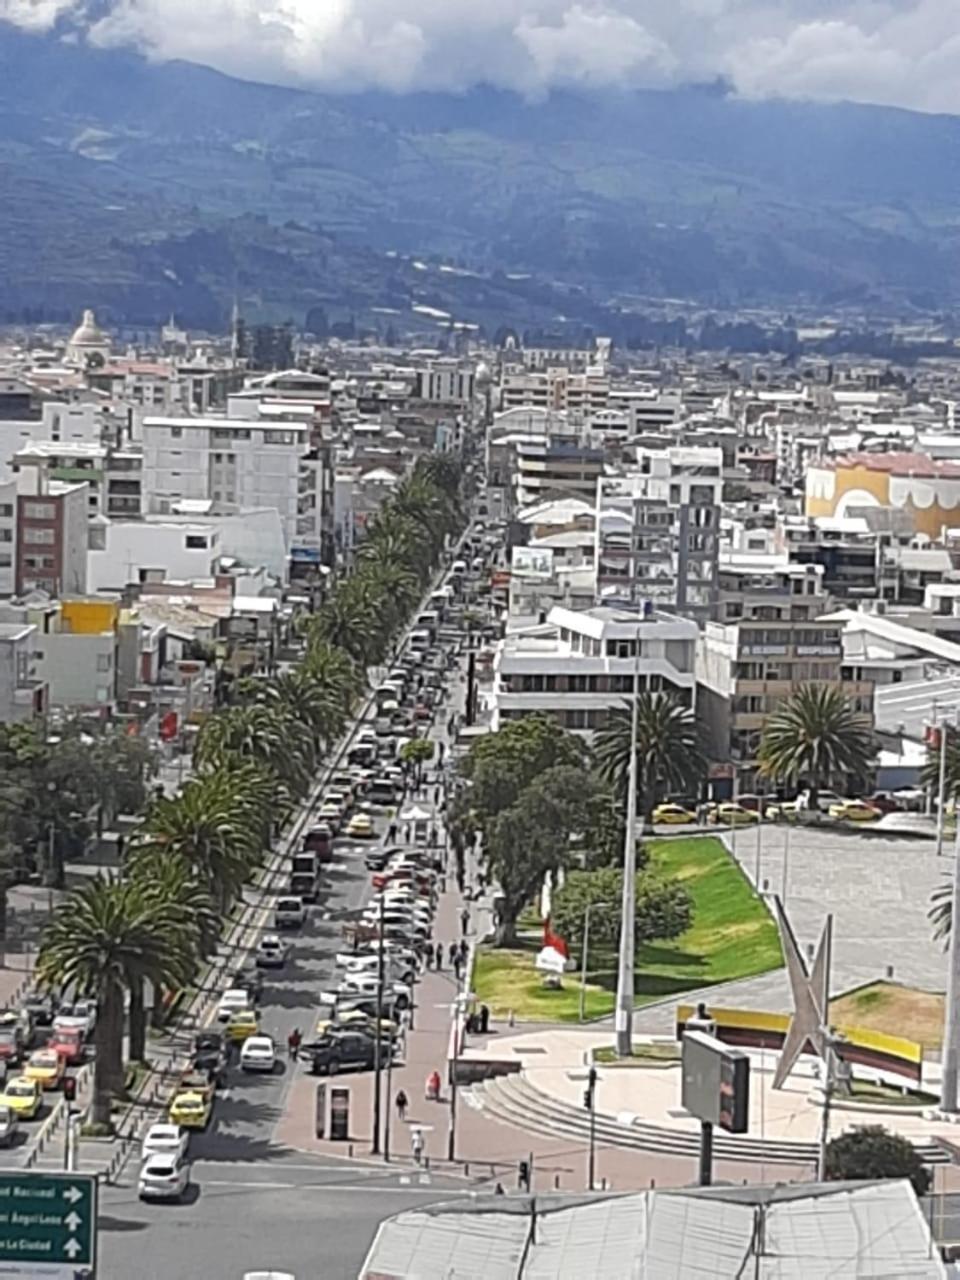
<point x="590" y="1089"/>
<point x="523" y="1175"/>
<point x="70" y="1088"/>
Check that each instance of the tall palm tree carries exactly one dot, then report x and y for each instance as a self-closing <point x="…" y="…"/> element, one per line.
<point x="270" y="737"/>
<point x="815" y="735"/>
<point x="172" y="883"/>
<point x="669" y="751"/>
<point x="103" y="936"/>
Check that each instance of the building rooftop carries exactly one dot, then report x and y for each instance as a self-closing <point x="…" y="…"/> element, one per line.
<point x="897" y="464"/>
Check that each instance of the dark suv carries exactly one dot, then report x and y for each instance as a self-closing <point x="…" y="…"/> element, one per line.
<point x="210" y="1055"/>
<point x="342" y="1050"/>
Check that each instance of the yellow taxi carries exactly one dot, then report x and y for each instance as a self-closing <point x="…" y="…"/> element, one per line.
<point x="730" y="814"/>
<point x="22" y="1096"/>
<point x="359" y="827"/>
<point x="242" y="1024"/>
<point x="46" y="1067"/>
<point x="357" y="1018"/>
<point x="191" y="1110"/>
<point x="673" y="813"/>
<point x="854" y="811"/>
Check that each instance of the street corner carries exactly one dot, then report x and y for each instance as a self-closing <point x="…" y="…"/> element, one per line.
<point x="308" y="1110"/>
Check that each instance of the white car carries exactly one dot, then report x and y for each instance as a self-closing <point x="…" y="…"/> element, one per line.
<point x="81" y="1015"/>
<point x="164" y="1177"/>
<point x="258" y="1053"/>
<point x="363" y="984"/>
<point x="234" y="1000"/>
<point x="164" y="1140"/>
<point x="272" y="952"/>
<point x="289" y="913"/>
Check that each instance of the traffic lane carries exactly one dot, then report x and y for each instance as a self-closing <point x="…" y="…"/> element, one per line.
<point x="248" y="1110"/>
<point x="309" y="1220"/>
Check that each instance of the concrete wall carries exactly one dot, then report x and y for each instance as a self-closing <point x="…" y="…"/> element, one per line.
<point x="80" y="670"/>
<point x="130" y="546"/>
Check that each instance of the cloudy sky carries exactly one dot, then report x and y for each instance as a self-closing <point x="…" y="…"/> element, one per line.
<point x="902" y="52"/>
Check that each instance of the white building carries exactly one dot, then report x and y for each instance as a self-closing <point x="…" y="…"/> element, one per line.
<point x="84" y="423"/>
<point x="22" y="693"/>
<point x="127" y="551"/>
<point x="581" y="666"/>
<point x="445" y="382"/>
<point x="8" y="537"/>
<point x="657" y="531"/>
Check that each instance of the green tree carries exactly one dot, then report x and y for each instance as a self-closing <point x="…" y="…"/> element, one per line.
<point x="874" y="1152"/>
<point x="815" y="735"/>
<point x="670" y="756"/>
<point x="664" y="908"/>
<point x="105" y="935"/>
<point x="417" y="752"/>
<point x="502" y="764"/>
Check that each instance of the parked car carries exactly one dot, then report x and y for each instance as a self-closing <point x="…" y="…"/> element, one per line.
<point x="342" y="1050"/>
<point x="9" y="1126"/>
<point x="163" y="1177"/>
<point x="854" y="811"/>
<point x="673" y="814"/>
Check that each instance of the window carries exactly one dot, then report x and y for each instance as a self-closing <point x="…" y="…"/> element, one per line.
<point x="6" y="535"/>
<point x="104" y="661"/>
<point x="38" y="537"/>
<point x="6" y="510"/>
<point x="196" y="542"/>
<point x="39" y="511"/>
<point x="6" y="559"/>
<point x="176" y="433"/>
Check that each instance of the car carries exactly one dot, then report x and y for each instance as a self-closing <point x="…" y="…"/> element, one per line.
<point x="375" y="859"/>
<point x="70" y="1043"/>
<point x="330" y="814"/>
<point x="781" y="811"/>
<point x="233" y="1000"/>
<point x="362" y="984"/>
<point x="289" y="913"/>
<point x="356" y="1020"/>
<point x="9" y="1126"/>
<point x="210" y="1055"/>
<point x="729" y="814"/>
<point x="193" y="1080"/>
<point x="164" y="1140"/>
<point x="242" y="1024"/>
<point x="360" y="827"/>
<point x="163" y="1177"/>
<point x="272" y="952"/>
<point x="673" y="814"/>
<point x="339" y="1050"/>
<point x="22" y="1096"/>
<point x="82" y="1014"/>
<point x="258" y="1053"/>
<point x="854" y="811"/>
<point x="12" y="1044"/>
<point x="190" y="1110"/>
<point x="46" y="1067"/>
<point x="249" y="979"/>
<point x="42" y="1008"/>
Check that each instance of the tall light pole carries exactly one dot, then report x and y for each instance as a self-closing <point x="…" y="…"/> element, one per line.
<point x="625" y="975"/>
<point x="941" y="797"/>
<point x="951" y="1023"/>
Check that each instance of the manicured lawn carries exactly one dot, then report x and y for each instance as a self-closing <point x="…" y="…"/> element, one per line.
<point x="732" y="936"/>
<point x="893" y="1010"/>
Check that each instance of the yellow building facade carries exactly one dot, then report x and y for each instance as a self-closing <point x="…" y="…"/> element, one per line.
<point x="913" y="482"/>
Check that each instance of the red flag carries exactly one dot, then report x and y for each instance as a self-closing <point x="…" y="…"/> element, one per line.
<point x="551" y="939"/>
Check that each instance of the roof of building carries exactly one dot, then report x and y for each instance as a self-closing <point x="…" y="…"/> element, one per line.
<point x="897" y="464"/>
<point x="555" y="512"/>
<point x="810" y="1232"/>
<point x="886" y="629"/>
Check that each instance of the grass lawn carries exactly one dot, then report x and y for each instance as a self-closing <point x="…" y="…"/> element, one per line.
<point x="732" y="936"/>
<point x="894" y="1010"/>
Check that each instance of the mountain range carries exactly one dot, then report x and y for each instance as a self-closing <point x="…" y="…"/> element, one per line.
<point x="146" y="188"/>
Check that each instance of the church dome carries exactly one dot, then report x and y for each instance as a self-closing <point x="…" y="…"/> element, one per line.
<point x="89" y="333"/>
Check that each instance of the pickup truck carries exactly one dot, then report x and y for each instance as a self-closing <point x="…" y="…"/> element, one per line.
<point x="194" y="1080"/>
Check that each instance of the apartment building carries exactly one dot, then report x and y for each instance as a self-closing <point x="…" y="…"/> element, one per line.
<point x="578" y="395"/>
<point x="23" y="694"/>
<point x="580" y="666"/>
<point x="554" y="468"/>
<point x="449" y="382"/>
<point x="74" y="462"/>
<point x="657" y="531"/>
<point x="51" y="535"/>
<point x="8" y="537"/>
<point x="772" y="635"/>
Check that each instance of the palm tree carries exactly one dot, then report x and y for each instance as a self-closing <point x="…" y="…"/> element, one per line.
<point x="669" y="752"/>
<point x="815" y="734"/>
<point x="170" y="882"/>
<point x="104" y="936"/>
<point x="270" y="737"/>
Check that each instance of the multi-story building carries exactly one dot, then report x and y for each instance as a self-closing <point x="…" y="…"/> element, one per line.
<point x="580" y="666"/>
<point x="74" y="462"/>
<point x="445" y="382"/>
<point x="579" y="395"/>
<point x="8" y="537"/>
<point x="772" y="636"/>
<point x="51" y="535"/>
<point x="555" y="469"/>
<point x="23" y="693"/>
<point x="928" y="490"/>
<point x="657" y="531"/>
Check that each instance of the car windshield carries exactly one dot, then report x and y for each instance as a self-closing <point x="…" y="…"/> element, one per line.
<point x="68" y="1035"/>
<point x="163" y="1137"/>
<point x="190" y="1104"/>
<point x="20" y="1089"/>
<point x="160" y="1170"/>
<point x="43" y="1059"/>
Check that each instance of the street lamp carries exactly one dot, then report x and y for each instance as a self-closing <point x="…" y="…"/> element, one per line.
<point x="586" y="943"/>
<point x="456" y="1010"/>
<point x="625" y="979"/>
<point x="951" y="1026"/>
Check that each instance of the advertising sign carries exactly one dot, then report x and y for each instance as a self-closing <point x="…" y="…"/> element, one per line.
<point x="716" y="1082"/>
<point x="339" y="1114"/>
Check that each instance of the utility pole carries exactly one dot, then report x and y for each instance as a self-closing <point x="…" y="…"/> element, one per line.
<point x="452" y="1132"/>
<point x="590" y="1102"/>
<point x="625" y="976"/>
<point x="830" y="1041"/>
<point x="705" y="1174"/>
<point x="941" y="798"/>
<point x="377" y="1055"/>
<point x="951" y="1027"/>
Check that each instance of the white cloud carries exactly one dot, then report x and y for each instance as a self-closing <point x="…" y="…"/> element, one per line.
<point x="895" y="51"/>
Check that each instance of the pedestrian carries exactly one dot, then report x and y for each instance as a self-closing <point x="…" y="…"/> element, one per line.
<point x="464" y="950"/>
<point x="402" y="1104"/>
<point x="458" y="968"/>
<point x="392" y="833"/>
<point x="441" y="747"/>
<point x="436" y="794"/>
<point x="498" y="1190"/>
<point x="406" y="834"/>
<point x="439" y="955"/>
<point x="454" y="955"/>
<point x="293" y="1043"/>
<point x="484" y="1019"/>
<point x="416" y="1145"/>
<point x="465" y="918"/>
<point x="433" y="1086"/>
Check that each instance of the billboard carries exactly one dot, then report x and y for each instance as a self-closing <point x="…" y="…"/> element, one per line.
<point x="716" y="1082"/>
<point x="531" y="562"/>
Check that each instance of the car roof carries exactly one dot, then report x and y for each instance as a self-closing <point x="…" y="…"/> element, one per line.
<point x="164" y="1127"/>
<point x="159" y="1158"/>
<point x="258" y="1040"/>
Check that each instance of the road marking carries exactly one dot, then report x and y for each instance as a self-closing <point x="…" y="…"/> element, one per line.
<point x="351" y="1187"/>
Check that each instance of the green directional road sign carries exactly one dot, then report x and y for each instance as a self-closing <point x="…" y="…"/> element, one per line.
<point x="48" y="1225"/>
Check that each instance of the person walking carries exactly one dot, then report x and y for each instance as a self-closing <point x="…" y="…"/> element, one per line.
<point x="484" y="1019"/>
<point x="439" y="955"/>
<point x="465" y="919"/>
<point x="454" y="952"/>
<point x="416" y="1145"/>
<point x="392" y="833"/>
<point x="293" y="1043"/>
<point x="402" y="1104"/>
<point x="464" y="950"/>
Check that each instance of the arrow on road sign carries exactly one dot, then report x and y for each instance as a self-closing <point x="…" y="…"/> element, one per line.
<point x="72" y="1248"/>
<point x="73" y="1194"/>
<point x="73" y="1220"/>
